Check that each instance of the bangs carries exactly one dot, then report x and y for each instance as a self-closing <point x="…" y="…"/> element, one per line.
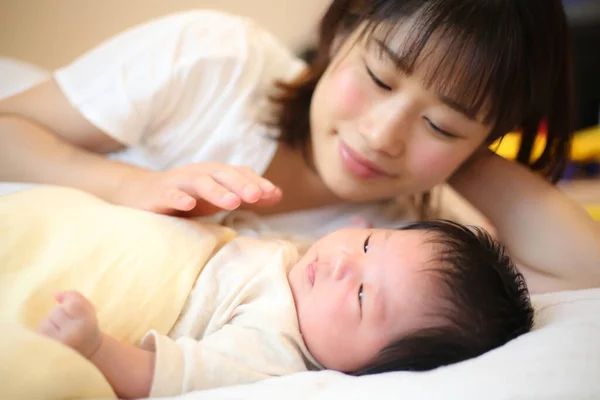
<point x="457" y="54"/>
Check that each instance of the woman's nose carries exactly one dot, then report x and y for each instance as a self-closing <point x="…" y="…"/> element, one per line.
<point x="386" y="131"/>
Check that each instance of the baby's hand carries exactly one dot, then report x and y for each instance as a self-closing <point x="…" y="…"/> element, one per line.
<point x="73" y="322"/>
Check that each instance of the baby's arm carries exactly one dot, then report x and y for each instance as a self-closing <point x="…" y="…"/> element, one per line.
<point x="555" y="243"/>
<point x="73" y="322"/>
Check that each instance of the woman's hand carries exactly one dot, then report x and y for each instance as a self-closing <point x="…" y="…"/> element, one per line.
<point x="195" y="189"/>
<point x="73" y="323"/>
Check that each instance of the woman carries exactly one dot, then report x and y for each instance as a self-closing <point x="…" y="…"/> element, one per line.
<point x="202" y="111"/>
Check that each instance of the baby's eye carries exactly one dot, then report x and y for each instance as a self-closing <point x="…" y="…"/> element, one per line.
<point x="360" y="294"/>
<point x="366" y="244"/>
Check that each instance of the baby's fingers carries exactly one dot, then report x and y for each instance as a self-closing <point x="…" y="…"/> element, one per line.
<point x="59" y="318"/>
<point x="48" y="328"/>
<point x="75" y="305"/>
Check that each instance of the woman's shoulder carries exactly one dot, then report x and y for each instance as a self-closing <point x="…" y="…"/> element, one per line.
<point x="196" y="77"/>
<point x="178" y="42"/>
<point x="206" y="33"/>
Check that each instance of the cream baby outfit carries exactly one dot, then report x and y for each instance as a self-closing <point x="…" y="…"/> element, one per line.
<point x="217" y="309"/>
<point x="239" y="325"/>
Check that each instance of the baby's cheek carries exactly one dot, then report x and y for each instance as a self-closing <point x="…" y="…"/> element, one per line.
<point x="347" y="94"/>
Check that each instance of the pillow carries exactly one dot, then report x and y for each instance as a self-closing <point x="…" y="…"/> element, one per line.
<point x="136" y="267"/>
<point x="559" y="359"/>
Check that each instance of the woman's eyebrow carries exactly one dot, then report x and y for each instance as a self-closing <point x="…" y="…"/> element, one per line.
<point x="398" y="61"/>
<point x="469" y="112"/>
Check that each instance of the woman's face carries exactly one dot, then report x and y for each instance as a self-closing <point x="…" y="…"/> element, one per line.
<point x="378" y="132"/>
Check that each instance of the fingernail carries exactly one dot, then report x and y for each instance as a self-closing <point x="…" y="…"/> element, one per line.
<point x="229" y="196"/>
<point x="268" y="186"/>
<point x="185" y="199"/>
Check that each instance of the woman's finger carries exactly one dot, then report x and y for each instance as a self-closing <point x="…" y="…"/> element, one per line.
<point x="208" y="189"/>
<point x="269" y="190"/>
<point x="171" y="199"/>
<point x="264" y="184"/>
<point x="248" y="189"/>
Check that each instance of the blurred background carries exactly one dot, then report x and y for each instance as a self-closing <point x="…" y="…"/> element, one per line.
<point x="584" y="20"/>
<point x="50" y="33"/>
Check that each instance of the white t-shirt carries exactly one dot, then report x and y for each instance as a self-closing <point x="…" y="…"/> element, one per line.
<point x="239" y="325"/>
<point x="193" y="87"/>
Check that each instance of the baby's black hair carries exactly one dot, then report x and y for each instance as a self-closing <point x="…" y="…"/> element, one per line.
<point x="484" y="303"/>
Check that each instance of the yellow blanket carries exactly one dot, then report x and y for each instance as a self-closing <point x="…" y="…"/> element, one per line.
<point x="136" y="267"/>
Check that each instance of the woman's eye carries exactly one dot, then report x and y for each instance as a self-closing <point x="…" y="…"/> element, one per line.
<point x="440" y="130"/>
<point x="376" y="80"/>
<point x="360" y="294"/>
<point x="366" y="244"/>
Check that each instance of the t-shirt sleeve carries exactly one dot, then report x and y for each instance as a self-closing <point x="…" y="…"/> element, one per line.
<point x="165" y="76"/>
<point x="231" y="356"/>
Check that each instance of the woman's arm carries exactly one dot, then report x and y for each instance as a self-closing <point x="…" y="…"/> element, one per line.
<point x="45" y="140"/>
<point x="555" y="242"/>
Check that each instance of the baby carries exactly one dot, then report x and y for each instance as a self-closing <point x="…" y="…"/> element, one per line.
<point x="358" y="301"/>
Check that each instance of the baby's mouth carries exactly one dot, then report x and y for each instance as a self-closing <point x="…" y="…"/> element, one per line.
<point x="311" y="269"/>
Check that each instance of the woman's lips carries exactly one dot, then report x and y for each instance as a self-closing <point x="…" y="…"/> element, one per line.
<point x="359" y="166"/>
<point x="311" y="269"/>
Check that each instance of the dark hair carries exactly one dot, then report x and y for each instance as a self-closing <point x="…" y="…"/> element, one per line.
<point x="507" y="58"/>
<point x="486" y="303"/>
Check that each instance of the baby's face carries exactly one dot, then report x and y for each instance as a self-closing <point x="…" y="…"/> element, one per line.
<point x="357" y="290"/>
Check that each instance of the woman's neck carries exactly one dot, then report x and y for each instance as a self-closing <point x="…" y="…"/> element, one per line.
<point x="301" y="185"/>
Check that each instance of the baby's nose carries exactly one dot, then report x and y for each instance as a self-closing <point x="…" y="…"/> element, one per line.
<point x="342" y="268"/>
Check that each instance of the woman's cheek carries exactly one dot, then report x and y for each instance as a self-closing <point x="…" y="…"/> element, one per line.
<point x="435" y="162"/>
<point x="348" y="94"/>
